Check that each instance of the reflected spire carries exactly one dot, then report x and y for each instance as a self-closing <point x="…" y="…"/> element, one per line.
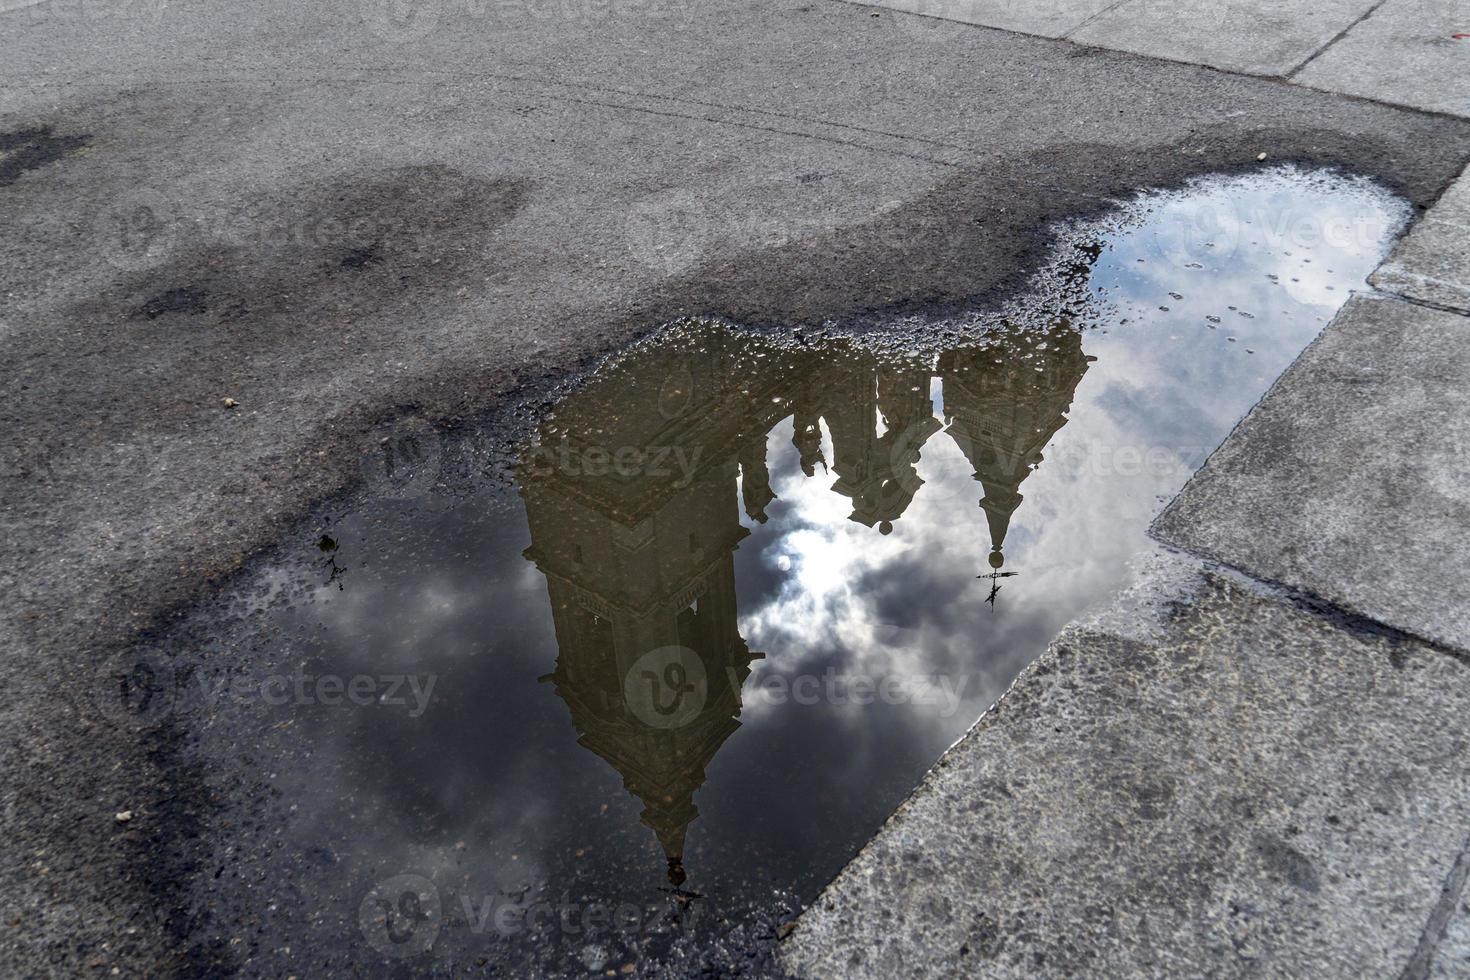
<point x="879" y="473"/>
<point x="755" y="479"/>
<point x="999" y="504"/>
<point x="807" y="438"/>
<point x="1005" y="401"/>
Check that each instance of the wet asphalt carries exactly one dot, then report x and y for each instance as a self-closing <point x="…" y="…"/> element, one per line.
<point x="292" y="210"/>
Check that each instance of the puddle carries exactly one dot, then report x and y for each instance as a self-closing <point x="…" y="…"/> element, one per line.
<point x="635" y="698"/>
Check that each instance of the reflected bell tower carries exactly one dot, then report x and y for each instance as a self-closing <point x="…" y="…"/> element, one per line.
<point x="1003" y="402"/>
<point x="639" y="568"/>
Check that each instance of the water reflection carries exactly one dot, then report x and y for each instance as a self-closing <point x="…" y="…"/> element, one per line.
<point x="631" y="499"/>
<point x="767" y="578"/>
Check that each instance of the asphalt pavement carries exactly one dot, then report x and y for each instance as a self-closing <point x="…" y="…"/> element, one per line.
<point x="239" y="237"/>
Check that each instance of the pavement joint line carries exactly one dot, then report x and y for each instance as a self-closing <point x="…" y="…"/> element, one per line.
<point x="1306" y="599"/>
<point x="1420" y="963"/>
<point x="1403" y="106"/>
<point x="1106" y="10"/>
<point x="1066" y="39"/>
<point x="1313" y="604"/>
<point x="1337" y="37"/>
<point x="1388" y="293"/>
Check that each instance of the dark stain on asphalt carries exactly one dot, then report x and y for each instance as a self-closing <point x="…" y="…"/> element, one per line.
<point x="185" y="300"/>
<point x="29" y="149"/>
<point x="1287" y="862"/>
<point x="292" y="276"/>
<point x="360" y="257"/>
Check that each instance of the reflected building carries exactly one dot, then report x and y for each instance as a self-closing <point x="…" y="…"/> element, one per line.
<point x="1003" y="402"/>
<point x="879" y="471"/>
<point x="636" y="490"/>
<point x="634" y="522"/>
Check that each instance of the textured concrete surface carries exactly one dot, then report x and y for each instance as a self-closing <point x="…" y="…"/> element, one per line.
<point x="1399" y="51"/>
<point x="1261" y="37"/>
<point x="1432" y="262"/>
<point x="1452" y="953"/>
<point x="1405" y="51"/>
<point x="334" y="215"/>
<point x="1209" y="782"/>
<point x="1350" y="481"/>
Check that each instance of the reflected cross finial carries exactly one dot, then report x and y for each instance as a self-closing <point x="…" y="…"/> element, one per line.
<point x="995" y="578"/>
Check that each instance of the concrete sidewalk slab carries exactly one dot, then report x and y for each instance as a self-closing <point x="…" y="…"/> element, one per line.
<point x="1351" y="479"/>
<point x="1213" y="782"/>
<point x="1399" y="51"/>
<point x="1404" y="52"/>
<point x="1432" y="264"/>
<point x="1258" y="37"/>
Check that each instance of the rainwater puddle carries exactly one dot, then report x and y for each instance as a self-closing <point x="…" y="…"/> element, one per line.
<point x="635" y="698"/>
